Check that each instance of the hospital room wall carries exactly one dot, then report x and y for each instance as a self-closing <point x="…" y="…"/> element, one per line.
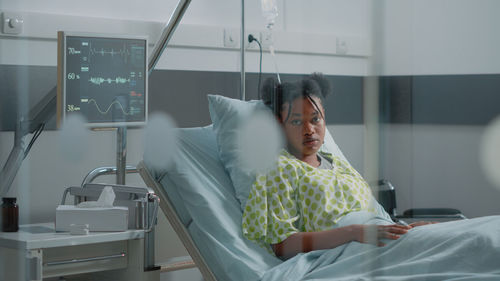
<point x="55" y="162"/>
<point x="433" y="159"/>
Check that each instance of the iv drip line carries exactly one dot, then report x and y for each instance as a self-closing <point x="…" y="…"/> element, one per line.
<point x="271" y="49"/>
<point x="270" y="13"/>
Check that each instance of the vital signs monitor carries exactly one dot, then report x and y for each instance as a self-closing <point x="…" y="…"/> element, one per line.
<point x="104" y="78"/>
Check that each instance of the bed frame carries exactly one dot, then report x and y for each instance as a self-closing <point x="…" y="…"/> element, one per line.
<point x="179" y="228"/>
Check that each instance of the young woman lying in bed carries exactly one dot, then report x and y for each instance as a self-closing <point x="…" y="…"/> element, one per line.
<point x="295" y="207"/>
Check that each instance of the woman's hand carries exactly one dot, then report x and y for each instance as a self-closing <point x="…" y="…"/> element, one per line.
<point x="372" y="234"/>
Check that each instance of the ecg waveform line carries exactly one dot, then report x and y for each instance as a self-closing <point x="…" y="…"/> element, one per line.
<point x="122" y="52"/>
<point x="118" y="80"/>
<point x="109" y="107"/>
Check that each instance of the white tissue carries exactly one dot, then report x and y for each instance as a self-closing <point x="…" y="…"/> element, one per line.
<point x="79" y="229"/>
<point x="106" y="199"/>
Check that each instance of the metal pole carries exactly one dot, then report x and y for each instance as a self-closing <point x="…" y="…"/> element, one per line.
<point x="101" y="171"/>
<point x="167" y="33"/>
<point x="121" y="154"/>
<point x="149" y="237"/>
<point x="242" y="84"/>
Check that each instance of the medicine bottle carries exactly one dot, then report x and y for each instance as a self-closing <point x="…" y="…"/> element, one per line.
<point x="10" y="215"/>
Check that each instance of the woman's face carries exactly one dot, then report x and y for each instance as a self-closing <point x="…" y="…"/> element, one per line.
<point x="305" y="128"/>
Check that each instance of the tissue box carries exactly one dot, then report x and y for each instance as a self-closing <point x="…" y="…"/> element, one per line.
<point x="98" y="218"/>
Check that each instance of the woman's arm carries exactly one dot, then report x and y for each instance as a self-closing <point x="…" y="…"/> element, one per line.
<point x="309" y="241"/>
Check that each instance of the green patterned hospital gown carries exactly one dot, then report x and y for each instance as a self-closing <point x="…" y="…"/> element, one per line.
<point x="297" y="197"/>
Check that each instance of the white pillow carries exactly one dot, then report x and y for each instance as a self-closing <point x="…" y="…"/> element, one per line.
<point x="227" y="116"/>
<point x="330" y="146"/>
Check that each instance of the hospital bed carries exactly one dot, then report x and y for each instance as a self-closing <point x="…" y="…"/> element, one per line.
<point x="197" y="196"/>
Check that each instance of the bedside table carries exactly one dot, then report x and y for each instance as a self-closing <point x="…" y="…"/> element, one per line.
<point x="36" y="251"/>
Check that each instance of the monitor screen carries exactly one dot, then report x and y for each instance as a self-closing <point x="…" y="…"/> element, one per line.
<point x="103" y="78"/>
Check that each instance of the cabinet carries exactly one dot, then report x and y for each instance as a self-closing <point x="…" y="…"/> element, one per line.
<point x="36" y="251"/>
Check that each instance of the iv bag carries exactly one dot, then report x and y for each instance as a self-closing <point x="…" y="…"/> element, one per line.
<point x="269" y="11"/>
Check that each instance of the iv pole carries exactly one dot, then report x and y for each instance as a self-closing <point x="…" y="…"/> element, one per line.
<point x="242" y="50"/>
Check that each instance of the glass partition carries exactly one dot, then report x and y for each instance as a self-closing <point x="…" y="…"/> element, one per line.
<point x="402" y="95"/>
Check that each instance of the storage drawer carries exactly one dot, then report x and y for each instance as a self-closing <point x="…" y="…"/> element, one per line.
<point x="78" y="259"/>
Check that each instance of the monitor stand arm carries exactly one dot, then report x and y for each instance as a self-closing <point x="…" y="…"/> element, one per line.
<point x="13" y="163"/>
<point x="121" y="154"/>
<point x="39" y="114"/>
